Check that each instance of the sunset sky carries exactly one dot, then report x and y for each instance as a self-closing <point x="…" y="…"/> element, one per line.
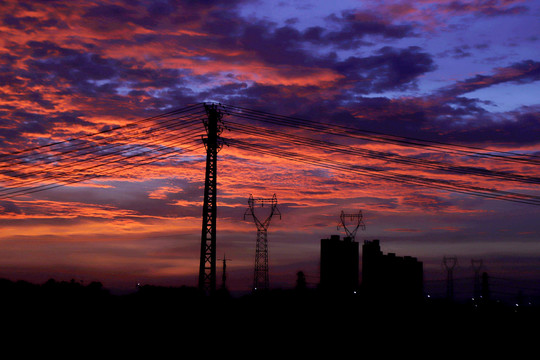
<point x="451" y="72"/>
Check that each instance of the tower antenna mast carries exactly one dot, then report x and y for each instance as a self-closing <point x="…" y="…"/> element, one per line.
<point x="224" y="273"/>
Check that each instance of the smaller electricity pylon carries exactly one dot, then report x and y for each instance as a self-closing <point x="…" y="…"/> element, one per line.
<point x="261" y="279"/>
<point x="477" y="266"/>
<point x="450" y="263"/>
<point x="351" y="234"/>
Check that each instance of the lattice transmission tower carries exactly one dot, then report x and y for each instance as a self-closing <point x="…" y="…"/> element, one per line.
<point x="261" y="279"/>
<point x="476" y="264"/>
<point x="450" y="263"/>
<point x="351" y="234"/>
<point x="213" y="143"/>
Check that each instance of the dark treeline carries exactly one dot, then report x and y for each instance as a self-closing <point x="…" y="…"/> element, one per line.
<point x="84" y="317"/>
<point x="182" y="316"/>
<point x="72" y="298"/>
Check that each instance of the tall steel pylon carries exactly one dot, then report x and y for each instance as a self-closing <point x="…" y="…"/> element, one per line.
<point x="213" y="143"/>
<point x="261" y="279"/>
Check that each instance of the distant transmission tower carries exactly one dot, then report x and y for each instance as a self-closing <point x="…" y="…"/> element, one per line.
<point x="261" y="281"/>
<point x="213" y="143"/>
<point x="449" y="263"/>
<point x="359" y="223"/>
<point x="477" y="291"/>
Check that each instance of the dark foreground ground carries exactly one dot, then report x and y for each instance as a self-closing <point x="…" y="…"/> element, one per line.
<point x="69" y="315"/>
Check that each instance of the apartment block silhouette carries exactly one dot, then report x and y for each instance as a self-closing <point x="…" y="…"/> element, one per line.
<point x="390" y="277"/>
<point x="339" y="267"/>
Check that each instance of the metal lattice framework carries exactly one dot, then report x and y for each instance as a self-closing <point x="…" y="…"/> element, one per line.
<point x="213" y="143"/>
<point x="261" y="280"/>
<point x="477" y="266"/>
<point x="450" y="263"/>
<point x="359" y="223"/>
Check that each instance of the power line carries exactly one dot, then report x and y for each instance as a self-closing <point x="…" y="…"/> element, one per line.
<point x="73" y="180"/>
<point x="386" y="156"/>
<point x="75" y="149"/>
<point x="100" y="153"/>
<point x="16" y="188"/>
<point x="119" y="127"/>
<point x="113" y="153"/>
<point x="111" y="150"/>
<point x="106" y="148"/>
<point x="350" y="132"/>
<point x="290" y="138"/>
<point x="382" y="174"/>
<point x="126" y="157"/>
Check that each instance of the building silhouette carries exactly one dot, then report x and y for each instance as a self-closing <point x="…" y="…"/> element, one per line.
<point x="390" y="277"/>
<point x="339" y="267"/>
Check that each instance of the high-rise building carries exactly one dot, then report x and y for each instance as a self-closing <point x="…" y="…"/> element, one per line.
<point x="390" y="276"/>
<point x="339" y="268"/>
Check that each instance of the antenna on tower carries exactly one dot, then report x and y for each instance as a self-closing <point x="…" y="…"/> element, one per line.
<point x="224" y="273"/>
<point x="359" y="223"/>
<point x="261" y="279"/>
<point x="449" y="263"/>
